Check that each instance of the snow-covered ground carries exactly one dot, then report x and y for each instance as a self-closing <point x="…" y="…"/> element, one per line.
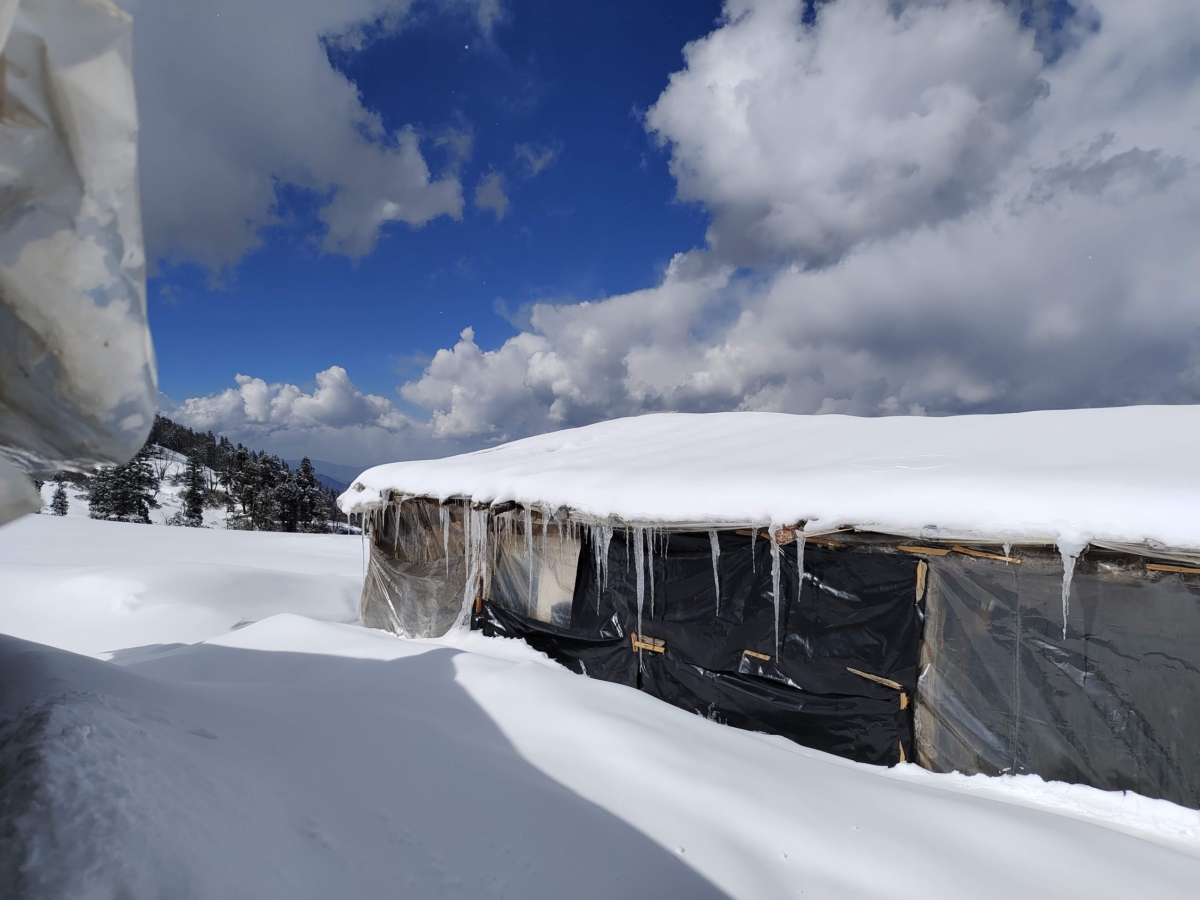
<point x="96" y="587"/>
<point x="228" y="735"/>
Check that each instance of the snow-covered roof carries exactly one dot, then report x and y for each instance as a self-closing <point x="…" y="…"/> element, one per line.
<point x="1128" y="475"/>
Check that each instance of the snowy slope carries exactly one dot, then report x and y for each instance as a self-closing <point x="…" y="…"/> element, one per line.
<point x="93" y="586"/>
<point x="170" y="465"/>
<point x="1123" y="475"/>
<point x="297" y="757"/>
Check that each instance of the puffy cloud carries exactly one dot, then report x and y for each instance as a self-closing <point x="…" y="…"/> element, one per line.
<point x="580" y="363"/>
<point x="804" y="141"/>
<point x="337" y="421"/>
<point x="489" y="194"/>
<point x="238" y="99"/>
<point x="336" y="402"/>
<point x="943" y="222"/>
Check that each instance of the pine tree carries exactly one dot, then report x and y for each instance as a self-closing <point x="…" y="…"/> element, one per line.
<point x="310" y="499"/>
<point x="194" y="492"/>
<point x="124" y="493"/>
<point x="59" y="502"/>
<point x="101" y="489"/>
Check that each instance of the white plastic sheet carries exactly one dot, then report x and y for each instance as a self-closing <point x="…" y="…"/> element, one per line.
<point x="77" y="374"/>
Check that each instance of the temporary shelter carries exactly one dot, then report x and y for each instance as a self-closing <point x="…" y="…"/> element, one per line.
<point x="998" y="594"/>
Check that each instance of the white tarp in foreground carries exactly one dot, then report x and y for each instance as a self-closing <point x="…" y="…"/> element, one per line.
<point x="77" y="373"/>
<point x="1125" y="475"/>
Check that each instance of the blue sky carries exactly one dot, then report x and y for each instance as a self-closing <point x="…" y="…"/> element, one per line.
<point x="386" y="229"/>
<point x="567" y="79"/>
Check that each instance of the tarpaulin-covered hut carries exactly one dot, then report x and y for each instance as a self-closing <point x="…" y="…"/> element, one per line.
<point x="999" y="594"/>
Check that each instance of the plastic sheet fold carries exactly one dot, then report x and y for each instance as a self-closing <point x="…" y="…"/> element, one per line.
<point x="417" y="571"/>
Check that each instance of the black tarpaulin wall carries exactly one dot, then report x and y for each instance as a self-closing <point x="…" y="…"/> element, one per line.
<point x="1114" y="705"/>
<point x="857" y="610"/>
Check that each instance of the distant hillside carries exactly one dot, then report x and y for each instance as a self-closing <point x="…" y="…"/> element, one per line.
<point x="185" y="477"/>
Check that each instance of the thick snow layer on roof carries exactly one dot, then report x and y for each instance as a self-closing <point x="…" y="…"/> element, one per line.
<point x="1128" y="474"/>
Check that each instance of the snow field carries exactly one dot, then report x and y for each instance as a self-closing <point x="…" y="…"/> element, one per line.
<point x="94" y="587"/>
<point x="299" y="756"/>
<point x="169" y="465"/>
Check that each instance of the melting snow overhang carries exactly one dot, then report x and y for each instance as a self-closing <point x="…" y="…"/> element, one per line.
<point x="1126" y="475"/>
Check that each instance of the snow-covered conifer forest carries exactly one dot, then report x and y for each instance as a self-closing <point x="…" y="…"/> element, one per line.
<point x="187" y="478"/>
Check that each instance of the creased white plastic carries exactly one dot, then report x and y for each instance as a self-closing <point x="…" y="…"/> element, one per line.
<point x="77" y="371"/>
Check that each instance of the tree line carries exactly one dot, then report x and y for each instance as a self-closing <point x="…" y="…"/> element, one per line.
<point x="257" y="490"/>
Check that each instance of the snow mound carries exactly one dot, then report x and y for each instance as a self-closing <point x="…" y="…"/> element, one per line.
<point x="357" y="764"/>
<point x="96" y="587"/>
<point x="1122" y="475"/>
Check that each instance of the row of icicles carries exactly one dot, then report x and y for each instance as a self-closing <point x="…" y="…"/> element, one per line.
<point x="478" y="524"/>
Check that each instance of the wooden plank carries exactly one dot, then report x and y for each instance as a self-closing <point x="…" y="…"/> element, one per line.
<point x="985" y="555"/>
<point x="1163" y="567"/>
<point x="902" y="759"/>
<point x="904" y="700"/>
<point x="878" y="679"/>
<point x="756" y="655"/>
<point x="922" y="571"/>
<point x="654" y="645"/>
<point x="924" y="551"/>
<point x="825" y="542"/>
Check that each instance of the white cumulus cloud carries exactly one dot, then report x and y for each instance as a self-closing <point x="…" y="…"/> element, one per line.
<point x="804" y="142"/>
<point x="239" y="98"/>
<point x="938" y="220"/>
<point x="337" y="421"/>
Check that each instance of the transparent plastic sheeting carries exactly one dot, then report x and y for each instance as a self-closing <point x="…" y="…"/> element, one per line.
<point x="535" y="570"/>
<point x="1114" y="705"/>
<point x="417" y="573"/>
<point x="77" y="375"/>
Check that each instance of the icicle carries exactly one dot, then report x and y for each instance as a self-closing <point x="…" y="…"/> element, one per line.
<point x="444" y="513"/>
<point x="1008" y="548"/>
<point x="545" y="527"/>
<point x="650" y="566"/>
<point x="595" y="536"/>
<point x="775" y="593"/>
<point x="467" y="598"/>
<point x="529" y="552"/>
<point x="715" y="545"/>
<point x="1068" y="561"/>
<point x="639" y="562"/>
<point x="606" y="536"/>
<point x="601" y="537"/>
<point x="799" y="564"/>
<point x="753" y="558"/>
<point x="477" y="562"/>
